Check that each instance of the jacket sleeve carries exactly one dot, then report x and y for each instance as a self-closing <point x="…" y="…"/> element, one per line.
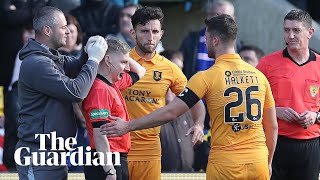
<point x="72" y="65"/>
<point x="188" y="48"/>
<point x="50" y="81"/>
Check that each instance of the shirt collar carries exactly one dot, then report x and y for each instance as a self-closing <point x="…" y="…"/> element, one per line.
<point x="312" y="56"/>
<point x="105" y="80"/>
<point x="228" y="57"/>
<point x="134" y="55"/>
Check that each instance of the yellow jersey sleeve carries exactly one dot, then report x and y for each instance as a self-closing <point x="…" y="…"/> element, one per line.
<point x="198" y="84"/>
<point x="269" y="100"/>
<point x="179" y="81"/>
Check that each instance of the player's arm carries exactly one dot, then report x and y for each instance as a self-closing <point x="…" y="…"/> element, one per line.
<point x="270" y="123"/>
<point x="135" y="67"/>
<point x="156" y="118"/>
<point x="135" y="74"/>
<point x="181" y="104"/>
<point x="198" y="112"/>
<point x="270" y="126"/>
<point x="102" y="145"/>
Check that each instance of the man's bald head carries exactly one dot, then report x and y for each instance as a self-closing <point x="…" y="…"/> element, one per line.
<point x="215" y="7"/>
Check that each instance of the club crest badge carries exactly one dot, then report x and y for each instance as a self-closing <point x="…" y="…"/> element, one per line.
<point x="157" y="75"/>
<point x="314" y="90"/>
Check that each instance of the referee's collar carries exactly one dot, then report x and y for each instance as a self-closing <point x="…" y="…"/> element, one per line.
<point x="312" y="57"/>
<point x="99" y="76"/>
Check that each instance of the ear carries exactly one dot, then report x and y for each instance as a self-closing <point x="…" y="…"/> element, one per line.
<point x="47" y="30"/>
<point x="311" y="31"/>
<point x="107" y="60"/>
<point x="133" y="33"/>
<point x="161" y="33"/>
<point x="216" y="41"/>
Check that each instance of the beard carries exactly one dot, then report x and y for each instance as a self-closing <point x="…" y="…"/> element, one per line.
<point x="144" y="49"/>
<point x="58" y="42"/>
<point x="211" y="52"/>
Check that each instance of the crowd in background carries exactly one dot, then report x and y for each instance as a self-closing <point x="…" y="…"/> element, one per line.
<point x="110" y="19"/>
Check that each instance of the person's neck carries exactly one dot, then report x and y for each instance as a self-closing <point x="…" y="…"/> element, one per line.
<point x="225" y="50"/>
<point x="300" y="56"/>
<point x="70" y="47"/>
<point x="105" y="73"/>
<point x="66" y="49"/>
<point x="42" y="41"/>
<point x="143" y="54"/>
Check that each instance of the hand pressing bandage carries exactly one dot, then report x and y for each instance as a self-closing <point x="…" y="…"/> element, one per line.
<point x="96" y="48"/>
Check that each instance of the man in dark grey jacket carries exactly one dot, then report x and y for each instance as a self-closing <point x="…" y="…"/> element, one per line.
<point x="48" y="84"/>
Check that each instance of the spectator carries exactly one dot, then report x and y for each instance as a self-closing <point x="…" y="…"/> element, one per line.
<point x="73" y="45"/>
<point x="14" y="15"/>
<point x="116" y="72"/>
<point x="176" y="148"/>
<point x="66" y="6"/>
<point x="122" y="3"/>
<point x="12" y="107"/>
<point x="125" y="25"/>
<point x="48" y="84"/>
<point x="295" y="80"/>
<point x="251" y="54"/>
<point x="97" y="17"/>
<point x="193" y="47"/>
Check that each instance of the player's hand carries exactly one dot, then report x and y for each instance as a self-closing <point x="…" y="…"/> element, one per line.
<point x="197" y="131"/>
<point x="97" y="50"/>
<point x="118" y="127"/>
<point x="287" y="114"/>
<point x="307" y="118"/>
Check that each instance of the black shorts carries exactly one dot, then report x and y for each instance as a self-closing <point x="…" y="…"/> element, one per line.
<point x="296" y="159"/>
<point x="97" y="172"/>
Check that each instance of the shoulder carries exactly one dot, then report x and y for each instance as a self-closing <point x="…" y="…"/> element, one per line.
<point x="100" y="86"/>
<point x="38" y="62"/>
<point x="165" y="61"/>
<point x="213" y="72"/>
<point x="202" y="76"/>
<point x="273" y="56"/>
<point x="162" y="61"/>
<point x="98" y="90"/>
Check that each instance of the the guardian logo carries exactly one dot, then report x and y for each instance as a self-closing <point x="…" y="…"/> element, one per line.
<point x="57" y="156"/>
